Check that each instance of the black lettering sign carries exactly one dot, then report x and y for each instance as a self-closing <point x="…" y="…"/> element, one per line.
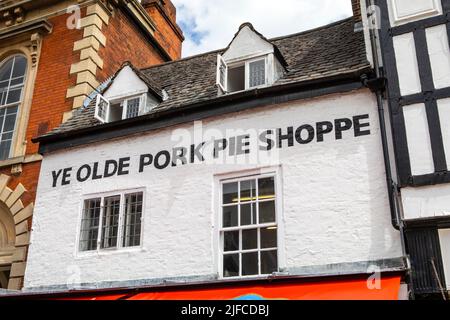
<point x="238" y="145"/>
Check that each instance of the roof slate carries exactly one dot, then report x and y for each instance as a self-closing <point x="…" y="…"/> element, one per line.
<point x="324" y="52"/>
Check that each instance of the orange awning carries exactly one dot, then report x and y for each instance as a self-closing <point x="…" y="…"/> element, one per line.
<point x="344" y="289"/>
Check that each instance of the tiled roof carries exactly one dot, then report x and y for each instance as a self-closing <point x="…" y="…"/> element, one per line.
<point x="316" y="54"/>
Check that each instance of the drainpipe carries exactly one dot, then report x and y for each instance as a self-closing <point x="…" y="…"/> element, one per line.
<point x="377" y="85"/>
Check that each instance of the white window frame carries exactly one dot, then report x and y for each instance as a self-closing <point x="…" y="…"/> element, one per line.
<point x="247" y="72"/>
<point x="124" y="102"/>
<point x="99" y="99"/>
<point x="119" y="247"/>
<point x="221" y="62"/>
<point x="223" y="178"/>
<point x="142" y="103"/>
<point x="246" y="63"/>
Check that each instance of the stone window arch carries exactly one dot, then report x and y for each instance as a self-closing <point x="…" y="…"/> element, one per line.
<point x="15" y="215"/>
<point x="7" y="244"/>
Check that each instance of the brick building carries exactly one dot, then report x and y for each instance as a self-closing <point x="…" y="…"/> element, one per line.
<point x="256" y="171"/>
<point x="53" y="54"/>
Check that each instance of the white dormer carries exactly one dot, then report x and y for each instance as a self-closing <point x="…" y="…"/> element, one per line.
<point x="127" y="96"/>
<point x="250" y="61"/>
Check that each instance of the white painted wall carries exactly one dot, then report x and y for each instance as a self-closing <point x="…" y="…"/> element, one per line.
<point x="444" y="118"/>
<point x="418" y="138"/>
<point x="426" y="202"/>
<point x="247" y="44"/>
<point x="126" y="84"/>
<point x="439" y="51"/>
<point x="407" y="67"/>
<point x="404" y="11"/>
<point x="335" y="205"/>
<point x="444" y="239"/>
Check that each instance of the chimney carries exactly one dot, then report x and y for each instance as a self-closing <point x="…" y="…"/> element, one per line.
<point x="168" y="34"/>
<point x="356" y="6"/>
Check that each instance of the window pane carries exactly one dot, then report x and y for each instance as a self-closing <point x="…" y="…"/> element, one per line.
<point x="5" y="147"/>
<point x="248" y="190"/>
<point x="231" y="241"/>
<point x="249" y="263"/>
<point x="5" y="70"/>
<point x="269" y="263"/>
<point x="230" y="216"/>
<point x="20" y="66"/>
<point x="102" y="108"/>
<point x="10" y="122"/>
<point x="132" y="222"/>
<point x="89" y="225"/>
<point x="230" y="192"/>
<point x="249" y="239"/>
<point x="133" y="108"/>
<point x="266" y="188"/>
<point x="17" y="81"/>
<point x="14" y="95"/>
<point x="110" y="222"/>
<point x="231" y="265"/>
<point x="268" y="238"/>
<point x="248" y="214"/>
<point x="257" y="73"/>
<point x="267" y="212"/>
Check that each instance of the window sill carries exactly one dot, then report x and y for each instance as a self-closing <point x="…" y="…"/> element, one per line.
<point x="21" y="160"/>
<point x="107" y="252"/>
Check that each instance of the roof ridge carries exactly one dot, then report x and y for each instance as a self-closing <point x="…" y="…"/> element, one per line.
<point x="332" y="24"/>
<point x="271" y="39"/>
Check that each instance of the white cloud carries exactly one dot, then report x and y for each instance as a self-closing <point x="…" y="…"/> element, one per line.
<point x="211" y="24"/>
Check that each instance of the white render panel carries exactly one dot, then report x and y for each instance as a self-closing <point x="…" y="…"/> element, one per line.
<point x="418" y="137"/>
<point x="444" y="118"/>
<point x="444" y="239"/>
<point x="404" y="11"/>
<point x="439" y="51"/>
<point x="407" y="67"/>
<point x="247" y="44"/>
<point x="126" y="84"/>
<point x="334" y="199"/>
<point x="426" y="202"/>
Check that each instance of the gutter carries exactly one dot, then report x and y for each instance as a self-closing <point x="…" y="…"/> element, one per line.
<point x="222" y="105"/>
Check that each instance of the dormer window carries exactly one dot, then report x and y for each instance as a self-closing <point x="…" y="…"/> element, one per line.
<point x="110" y="111"/>
<point x="249" y="62"/>
<point x="242" y="75"/>
<point x="129" y="94"/>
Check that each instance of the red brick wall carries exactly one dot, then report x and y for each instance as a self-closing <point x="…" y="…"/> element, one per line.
<point x="125" y="42"/>
<point x="356" y="6"/>
<point x="28" y="178"/>
<point x="165" y="34"/>
<point x="53" y="79"/>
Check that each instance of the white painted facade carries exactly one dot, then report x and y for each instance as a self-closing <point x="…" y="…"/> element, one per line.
<point x="333" y="200"/>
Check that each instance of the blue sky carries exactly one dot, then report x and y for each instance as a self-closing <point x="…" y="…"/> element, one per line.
<point x="211" y="24"/>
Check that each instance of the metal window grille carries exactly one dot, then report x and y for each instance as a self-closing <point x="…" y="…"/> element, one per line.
<point x="89" y="224"/>
<point x="110" y="222"/>
<point x="133" y="107"/>
<point x="257" y="73"/>
<point x="132" y="223"/>
<point x="119" y="219"/>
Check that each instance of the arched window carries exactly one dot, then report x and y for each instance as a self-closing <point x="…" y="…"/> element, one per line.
<point x="12" y="80"/>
